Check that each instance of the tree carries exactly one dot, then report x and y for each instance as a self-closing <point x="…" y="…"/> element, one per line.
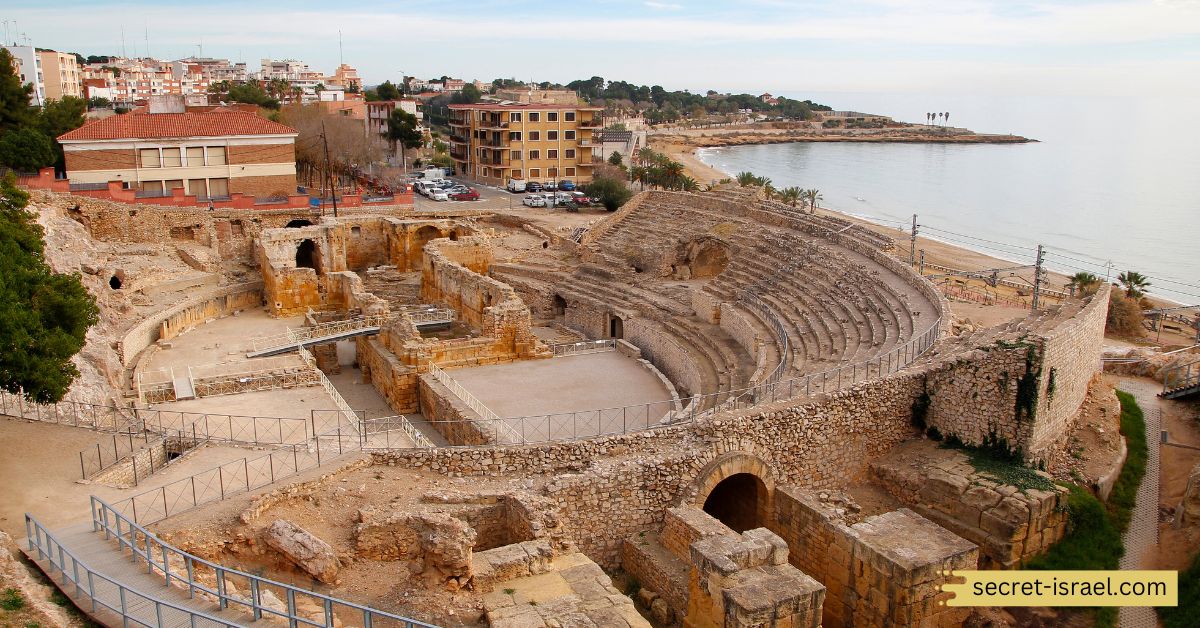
<point x="402" y="131"/>
<point x="58" y="117"/>
<point x="746" y="179"/>
<point x="96" y="102"/>
<point x="790" y="195"/>
<point x="469" y="94"/>
<point x="615" y="158"/>
<point x="26" y="149"/>
<point x="1084" y="283"/>
<point x="812" y="197"/>
<point x="641" y="174"/>
<point x="253" y="93"/>
<point x="14" y="97"/>
<point x="387" y="91"/>
<point x="46" y="315"/>
<point x="613" y="193"/>
<point x="1134" y="283"/>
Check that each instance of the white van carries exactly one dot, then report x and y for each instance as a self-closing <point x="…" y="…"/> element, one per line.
<point x="515" y="186"/>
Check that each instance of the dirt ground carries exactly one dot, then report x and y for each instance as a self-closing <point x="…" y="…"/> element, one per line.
<point x="1181" y="420"/>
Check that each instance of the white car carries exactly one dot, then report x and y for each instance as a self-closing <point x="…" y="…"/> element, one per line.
<point x="438" y="194"/>
<point x="534" y="200"/>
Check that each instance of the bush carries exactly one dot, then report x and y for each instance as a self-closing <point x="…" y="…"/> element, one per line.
<point x="1184" y="615"/>
<point x="1124" y="492"/>
<point x="26" y="149"/>
<point x="1124" y="315"/>
<point x="11" y="600"/>
<point x="1092" y="540"/>
<point x="612" y="192"/>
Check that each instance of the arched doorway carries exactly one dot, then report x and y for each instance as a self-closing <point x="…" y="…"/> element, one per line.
<point x="306" y="255"/>
<point x="419" y="240"/>
<point x="739" y="501"/>
<point x="299" y="222"/>
<point x="560" y="306"/>
<point x="616" y="327"/>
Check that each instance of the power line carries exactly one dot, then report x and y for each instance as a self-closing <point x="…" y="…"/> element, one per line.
<point x="963" y="235"/>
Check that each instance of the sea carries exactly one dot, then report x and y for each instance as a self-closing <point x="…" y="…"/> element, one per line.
<point x="1112" y="184"/>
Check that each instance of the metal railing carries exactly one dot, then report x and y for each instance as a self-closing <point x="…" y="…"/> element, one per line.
<point x="194" y="574"/>
<point x="134" y="607"/>
<point x="299" y="335"/>
<point x="231" y="428"/>
<point x="583" y="347"/>
<point x="74" y="413"/>
<point x="105" y="454"/>
<point x="1182" y="376"/>
<point x="505" y="434"/>
<point x="781" y="338"/>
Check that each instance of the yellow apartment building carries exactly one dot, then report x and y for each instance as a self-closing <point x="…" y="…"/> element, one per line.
<point x="61" y="74"/>
<point x="493" y="142"/>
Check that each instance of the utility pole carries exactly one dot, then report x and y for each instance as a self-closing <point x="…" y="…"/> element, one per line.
<point x="912" y="243"/>
<point x="1037" y="277"/>
<point x="328" y="172"/>
<point x="921" y="268"/>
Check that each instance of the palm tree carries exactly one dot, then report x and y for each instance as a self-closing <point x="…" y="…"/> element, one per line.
<point x="645" y="155"/>
<point x="769" y="190"/>
<point x="1083" y="283"/>
<point x="688" y="184"/>
<point x="746" y="179"/>
<point x="813" y="196"/>
<point x="790" y="195"/>
<point x="1135" y="284"/>
<point x="640" y="174"/>
<point x="672" y="172"/>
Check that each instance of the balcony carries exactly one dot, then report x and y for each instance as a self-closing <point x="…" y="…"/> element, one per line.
<point x="590" y="124"/>
<point x="493" y="124"/>
<point x="458" y="139"/>
<point x="491" y="143"/>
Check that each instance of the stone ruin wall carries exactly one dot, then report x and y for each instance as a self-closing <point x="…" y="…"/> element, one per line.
<point x="612" y="487"/>
<point x="178" y="319"/>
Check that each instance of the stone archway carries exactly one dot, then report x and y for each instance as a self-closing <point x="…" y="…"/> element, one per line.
<point x="616" y="327"/>
<point x="306" y="254"/>
<point x="297" y="223"/>
<point x="420" y="238"/>
<point x="737" y="489"/>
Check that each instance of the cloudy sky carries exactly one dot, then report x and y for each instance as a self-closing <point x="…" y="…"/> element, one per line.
<point x="1048" y="47"/>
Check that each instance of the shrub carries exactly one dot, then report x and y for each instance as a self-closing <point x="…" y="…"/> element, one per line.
<point x="11" y="600"/>
<point x="1184" y="615"/>
<point x="1092" y="540"/>
<point x="612" y="193"/>
<point x="1124" y="493"/>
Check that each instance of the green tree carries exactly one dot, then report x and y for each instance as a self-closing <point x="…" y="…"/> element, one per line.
<point x="746" y="179"/>
<point x="14" y="97"/>
<point x="402" y="131"/>
<point x="46" y="315"/>
<point x="1134" y="283"/>
<point x="253" y="93"/>
<point x="387" y="91"/>
<point x="790" y="195"/>
<point x="26" y="149"/>
<point x="1084" y="283"/>
<point x="641" y="174"/>
<point x="615" y="158"/>
<point x="467" y="95"/>
<point x="613" y="193"/>
<point x="812" y="197"/>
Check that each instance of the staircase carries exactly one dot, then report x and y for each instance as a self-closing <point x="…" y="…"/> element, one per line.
<point x="1181" y="381"/>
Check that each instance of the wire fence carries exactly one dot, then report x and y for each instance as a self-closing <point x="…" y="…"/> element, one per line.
<point x="72" y="413"/>
<point x="231" y="588"/>
<point x="583" y="347"/>
<point x="108" y="452"/>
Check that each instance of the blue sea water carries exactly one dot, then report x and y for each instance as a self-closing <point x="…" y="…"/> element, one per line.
<point x="1108" y="180"/>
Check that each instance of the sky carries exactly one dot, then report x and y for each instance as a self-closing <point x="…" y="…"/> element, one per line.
<point x="789" y="47"/>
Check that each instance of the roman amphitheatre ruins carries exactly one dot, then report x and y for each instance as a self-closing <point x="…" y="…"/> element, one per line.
<point x="704" y="409"/>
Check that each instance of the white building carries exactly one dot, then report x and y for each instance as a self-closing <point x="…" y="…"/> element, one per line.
<point x="29" y="70"/>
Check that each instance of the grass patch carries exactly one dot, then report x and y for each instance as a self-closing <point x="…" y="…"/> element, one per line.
<point x="995" y="461"/>
<point x="1184" y="615"/>
<point x="11" y="600"/>
<point x="1124" y="493"/>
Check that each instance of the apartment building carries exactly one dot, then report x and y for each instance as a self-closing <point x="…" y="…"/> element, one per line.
<point x="28" y="65"/>
<point x="494" y="142"/>
<point x="209" y="152"/>
<point x="379" y="111"/>
<point x="129" y="81"/>
<point x="62" y="74"/>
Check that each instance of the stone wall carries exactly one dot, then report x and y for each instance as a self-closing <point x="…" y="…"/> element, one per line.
<point x="885" y="570"/>
<point x="178" y="319"/>
<point x="394" y="380"/>
<point x="449" y="415"/>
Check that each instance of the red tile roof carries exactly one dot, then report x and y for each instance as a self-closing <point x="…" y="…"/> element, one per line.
<point x="141" y="125"/>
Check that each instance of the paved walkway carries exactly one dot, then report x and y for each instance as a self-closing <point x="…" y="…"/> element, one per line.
<point x="140" y="589"/>
<point x="1142" y="535"/>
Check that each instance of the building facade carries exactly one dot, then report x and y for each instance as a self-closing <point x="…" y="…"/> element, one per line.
<point x="62" y="75"/>
<point x="494" y="142"/>
<point x="28" y="65"/>
<point x="210" y="153"/>
<point x="379" y="111"/>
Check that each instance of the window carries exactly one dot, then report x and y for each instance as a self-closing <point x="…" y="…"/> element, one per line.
<point x="569" y="153"/>
<point x="171" y="158"/>
<point x="569" y="116"/>
<point x="149" y="158"/>
<point x="216" y="156"/>
<point x="535" y="154"/>
<point x="218" y="187"/>
<point x="568" y="135"/>
<point x="551" y="116"/>
<point x="516" y="173"/>
<point x="535" y="116"/>
<point x="535" y="136"/>
<point x="535" y="173"/>
<point x="515" y="136"/>
<point x="487" y="172"/>
<point x="552" y="172"/>
<point x="195" y="156"/>
<point x="570" y="172"/>
<point x="551" y="136"/>
<point x="515" y="116"/>
<point x="197" y="187"/>
<point x="173" y="184"/>
<point x="515" y="155"/>
<point x="551" y="154"/>
<point x="151" y="186"/>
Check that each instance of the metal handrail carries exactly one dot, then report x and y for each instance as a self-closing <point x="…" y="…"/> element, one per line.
<point x="485" y="413"/>
<point x="75" y="572"/>
<point x="1191" y="376"/>
<point x="583" y="347"/>
<point x="144" y="545"/>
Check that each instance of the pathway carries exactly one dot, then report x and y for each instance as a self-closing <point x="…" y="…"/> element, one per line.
<point x="1142" y="535"/>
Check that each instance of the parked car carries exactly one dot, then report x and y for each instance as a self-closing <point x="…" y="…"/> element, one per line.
<point x="466" y="195"/>
<point x="581" y="199"/>
<point x="561" y="198"/>
<point x="534" y="186"/>
<point x="516" y="186"/>
<point x="533" y="200"/>
<point x="457" y="189"/>
<point x="438" y="194"/>
<point x="566" y="185"/>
